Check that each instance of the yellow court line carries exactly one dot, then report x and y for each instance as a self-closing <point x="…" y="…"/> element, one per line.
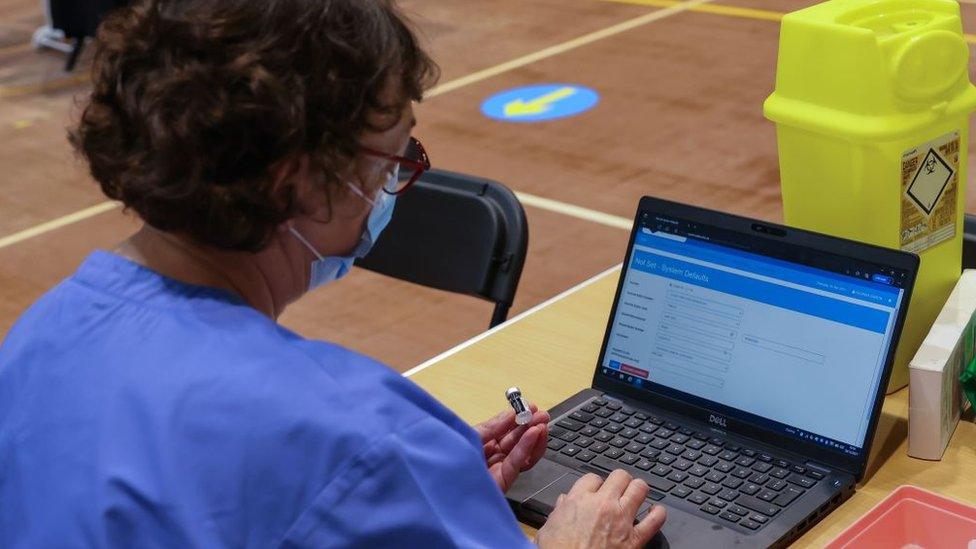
<point x="38" y="230"/>
<point x="749" y="13"/>
<point x="735" y="11"/>
<point x="15" y="48"/>
<point x="672" y="8"/>
<point x="527" y="199"/>
<point x="731" y="11"/>
<point x="49" y="86"/>
<point x="552" y="205"/>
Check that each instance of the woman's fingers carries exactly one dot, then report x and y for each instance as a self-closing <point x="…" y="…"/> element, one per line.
<point x="587" y="483"/>
<point x="650" y="525"/>
<point x="615" y="484"/>
<point x="504" y="422"/>
<point x="497" y="426"/>
<point x="523" y="449"/>
<point x="491" y="448"/>
<point x="540" y="447"/>
<point x="633" y="496"/>
<point x="511" y="466"/>
<point x="500" y="434"/>
<point x="508" y="441"/>
<point x="541" y="416"/>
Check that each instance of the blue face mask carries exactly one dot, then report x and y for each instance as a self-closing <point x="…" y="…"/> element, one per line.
<point x="325" y="269"/>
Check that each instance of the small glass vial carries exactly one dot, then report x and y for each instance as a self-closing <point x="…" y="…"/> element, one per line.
<point x="522" y="413"/>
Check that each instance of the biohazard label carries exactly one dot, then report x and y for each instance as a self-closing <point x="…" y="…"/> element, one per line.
<point x="929" y="183"/>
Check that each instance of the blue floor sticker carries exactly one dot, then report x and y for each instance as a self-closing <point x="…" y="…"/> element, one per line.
<point x="540" y="102"/>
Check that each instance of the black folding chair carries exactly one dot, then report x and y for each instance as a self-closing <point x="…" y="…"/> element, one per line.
<point x="458" y="233"/>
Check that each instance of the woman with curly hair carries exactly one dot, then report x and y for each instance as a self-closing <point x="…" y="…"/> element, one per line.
<point x="151" y="399"/>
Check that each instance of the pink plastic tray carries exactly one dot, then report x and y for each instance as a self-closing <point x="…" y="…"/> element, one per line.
<point x="912" y="517"/>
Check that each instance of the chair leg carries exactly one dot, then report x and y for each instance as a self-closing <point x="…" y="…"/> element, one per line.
<point x="74" y="54"/>
<point x="500" y="314"/>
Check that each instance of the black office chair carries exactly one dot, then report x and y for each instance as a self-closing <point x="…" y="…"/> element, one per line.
<point x="458" y="233"/>
<point x="969" y="242"/>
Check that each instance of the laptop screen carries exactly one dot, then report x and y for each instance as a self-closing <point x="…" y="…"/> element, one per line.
<point x="787" y="338"/>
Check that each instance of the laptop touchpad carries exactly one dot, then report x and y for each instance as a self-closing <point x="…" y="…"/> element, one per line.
<point x="544" y="501"/>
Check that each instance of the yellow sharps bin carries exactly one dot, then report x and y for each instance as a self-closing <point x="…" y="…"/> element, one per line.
<point x="871" y="108"/>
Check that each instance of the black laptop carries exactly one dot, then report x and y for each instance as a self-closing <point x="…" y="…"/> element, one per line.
<point x="741" y="375"/>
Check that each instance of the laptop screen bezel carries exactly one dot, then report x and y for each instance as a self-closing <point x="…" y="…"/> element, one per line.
<point x="855" y="465"/>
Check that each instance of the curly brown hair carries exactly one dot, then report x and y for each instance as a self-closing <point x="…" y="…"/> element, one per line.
<point x="196" y="102"/>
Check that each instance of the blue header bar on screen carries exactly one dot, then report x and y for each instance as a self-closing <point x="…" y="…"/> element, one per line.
<point x="873" y="292"/>
<point x="844" y="312"/>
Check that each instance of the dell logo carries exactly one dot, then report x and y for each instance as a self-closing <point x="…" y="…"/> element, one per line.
<point x="717" y="420"/>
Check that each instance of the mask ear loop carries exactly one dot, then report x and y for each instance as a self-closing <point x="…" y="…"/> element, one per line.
<point x="360" y="194"/>
<point x="307" y="244"/>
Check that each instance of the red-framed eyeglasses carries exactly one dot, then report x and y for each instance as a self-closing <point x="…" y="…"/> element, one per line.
<point x="414" y="158"/>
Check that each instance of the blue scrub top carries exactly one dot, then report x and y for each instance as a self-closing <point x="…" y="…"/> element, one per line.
<point x="138" y="411"/>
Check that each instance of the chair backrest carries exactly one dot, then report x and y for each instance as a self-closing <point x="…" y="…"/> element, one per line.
<point x="79" y="19"/>
<point x="969" y="242"/>
<point x="458" y="233"/>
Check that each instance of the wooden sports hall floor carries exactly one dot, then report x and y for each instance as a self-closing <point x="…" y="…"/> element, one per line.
<point x="680" y="116"/>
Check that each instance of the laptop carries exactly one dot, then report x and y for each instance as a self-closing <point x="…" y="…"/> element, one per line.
<point x="741" y="376"/>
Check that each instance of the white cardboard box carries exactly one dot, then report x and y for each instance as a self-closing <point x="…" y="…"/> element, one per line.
<point x="935" y="398"/>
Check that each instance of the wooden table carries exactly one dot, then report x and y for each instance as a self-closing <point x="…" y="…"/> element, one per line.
<point x="551" y="351"/>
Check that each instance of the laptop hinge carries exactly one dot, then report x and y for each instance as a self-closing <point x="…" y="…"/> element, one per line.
<point x="817" y="467"/>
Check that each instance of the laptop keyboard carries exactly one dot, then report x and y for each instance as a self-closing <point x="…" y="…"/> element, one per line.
<point x="738" y="484"/>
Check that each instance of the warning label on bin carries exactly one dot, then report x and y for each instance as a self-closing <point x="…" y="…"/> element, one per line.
<point x="929" y="183"/>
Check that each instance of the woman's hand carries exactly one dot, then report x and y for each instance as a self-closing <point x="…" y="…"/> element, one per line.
<point x="511" y="448"/>
<point x="600" y="513"/>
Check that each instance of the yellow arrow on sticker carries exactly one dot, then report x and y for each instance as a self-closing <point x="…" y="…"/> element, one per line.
<point x="541" y="104"/>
